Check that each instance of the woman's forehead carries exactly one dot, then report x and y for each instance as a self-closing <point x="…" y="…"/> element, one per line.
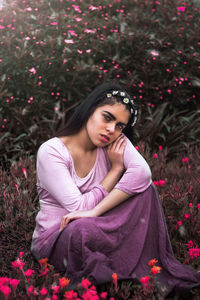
<point x="119" y="111"/>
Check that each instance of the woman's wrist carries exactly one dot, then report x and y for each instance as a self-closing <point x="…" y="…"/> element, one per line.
<point x="117" y="168"/>
<point x="111" y="179"/>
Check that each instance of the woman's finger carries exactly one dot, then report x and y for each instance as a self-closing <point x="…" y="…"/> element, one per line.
<point x="119" y="143"/>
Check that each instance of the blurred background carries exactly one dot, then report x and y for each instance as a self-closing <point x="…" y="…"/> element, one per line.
<point x="53" y="53"/>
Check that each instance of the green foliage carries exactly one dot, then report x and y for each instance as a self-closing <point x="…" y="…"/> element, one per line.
<point x="54" y="53"/>
<point x="171" y="128"/>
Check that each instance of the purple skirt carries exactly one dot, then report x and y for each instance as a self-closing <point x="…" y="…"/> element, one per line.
<point x="121" y="241"/>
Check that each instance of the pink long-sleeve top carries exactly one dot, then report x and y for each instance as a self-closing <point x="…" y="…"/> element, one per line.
<point x="61" y="191"/>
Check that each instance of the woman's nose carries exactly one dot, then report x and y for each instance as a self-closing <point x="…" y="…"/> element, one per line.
<point x="111" y="127"/>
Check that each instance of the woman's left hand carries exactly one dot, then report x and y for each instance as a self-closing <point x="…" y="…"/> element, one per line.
<point x="74" y="216"/>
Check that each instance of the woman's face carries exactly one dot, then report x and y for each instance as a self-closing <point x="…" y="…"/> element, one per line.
<point x="106" y="124"/>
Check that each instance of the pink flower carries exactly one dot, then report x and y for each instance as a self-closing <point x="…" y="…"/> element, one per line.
<point x="54" y="297"/>
<point x="88" y="50"/>
<point x="85" y="283"/>
<point x="24" y="172"/>
<point x="186" y="216"/>
<point x="185" y="159"/>
<point x="160" y="147"/>
<point x="4" y="280"/>
<point x="72" y="32"/>
<point x="43" y="291"/>
<point x="70" y="295"/>
<point x="92" y="7"/>
<point x="198" y="205"/>
<point x="162" y="182"/>
<point x="181" y="8"/>
<point x="54" y="23"/>
<point x="194" y="252"/>
<point x="5" y="290"/>
<point x="79" y="51"/>
<point x="63" y="282"/>
<point x="69" y="41"/>
<point x="156" y="183"/>
<point x="18" y="264"/>
<point x="55" y="288"/>
<point x="190" y="244"/>
<point x="33" y="70"/>
<point x="30" y="290"/>
<point x="154" y="53"/>
<point x="145" y="281"/>
<point x="90" y="30"/>
<point x="137" y="148"/>
<point x="29" y="272"/>
<point x="155" y="155"/>
<point x="103" y="295"/>
<point x="14" y="283"/>
<point x="179" y="223"/>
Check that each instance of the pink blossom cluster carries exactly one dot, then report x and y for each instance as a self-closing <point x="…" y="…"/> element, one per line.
<point x="160" y="182"/>
<point x="193" y="250"/>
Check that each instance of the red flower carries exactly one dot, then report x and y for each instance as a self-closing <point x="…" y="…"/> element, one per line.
<point x="85" y="283"/>
<point x="14" y="283"/>
<point x="70" y="295"/>
<point x="29" y="272"/>
<point x="103" y="295"/>
<point x="152" y="262"/>
<point x="5" y="290"/>
<point x="162" y="182"/>
<point x="43" y="262"/>
<point x="4" y="280"/>
<point x="55" y="288"/>
<point x="186" y="216"/>
<point x="63" y="282"/>
<point x="43" y="291"/>
<point x="194" y="252"/>
<point x="155" y="270"/>
<point x="185" y="159"/>
<point x="145" y="281"/>
<point x="114" y="277"/>
<point x="18" y="264"/>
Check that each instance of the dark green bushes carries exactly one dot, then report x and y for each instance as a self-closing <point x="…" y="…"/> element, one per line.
<point x="53" y="55"/>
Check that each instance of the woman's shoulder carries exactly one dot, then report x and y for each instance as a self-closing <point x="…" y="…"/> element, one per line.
<point x="53" y="146"/>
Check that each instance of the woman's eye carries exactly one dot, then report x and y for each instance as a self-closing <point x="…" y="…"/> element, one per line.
<point x="120" y="126"/>
<point x="107" y="118"/>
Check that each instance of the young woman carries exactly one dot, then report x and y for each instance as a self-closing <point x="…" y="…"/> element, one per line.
<point x="99" y="211"/>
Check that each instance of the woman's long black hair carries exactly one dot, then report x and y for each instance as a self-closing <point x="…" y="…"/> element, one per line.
<point x="97" y="98"/>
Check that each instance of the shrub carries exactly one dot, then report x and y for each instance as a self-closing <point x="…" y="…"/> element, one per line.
<point x="54" y="54"/>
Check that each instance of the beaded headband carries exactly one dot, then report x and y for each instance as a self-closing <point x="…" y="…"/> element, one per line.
<point x="127" y="101"/>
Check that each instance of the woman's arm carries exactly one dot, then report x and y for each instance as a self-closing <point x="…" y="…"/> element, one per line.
<point x="114" y="198"/>
<point x="136" y="178"/>
<point x="55" y="179"/>
<point x="115" y="152"/>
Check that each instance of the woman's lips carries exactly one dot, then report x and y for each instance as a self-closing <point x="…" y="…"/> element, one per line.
<point x="105" y="138"/>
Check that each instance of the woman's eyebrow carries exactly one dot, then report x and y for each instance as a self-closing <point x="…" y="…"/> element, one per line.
<point x="113" y="117"/>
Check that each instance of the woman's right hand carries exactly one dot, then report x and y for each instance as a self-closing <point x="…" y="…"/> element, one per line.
<point x="115" y="152"/>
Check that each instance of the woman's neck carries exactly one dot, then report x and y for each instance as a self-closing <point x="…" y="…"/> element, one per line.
<point x="79" y="141"/>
